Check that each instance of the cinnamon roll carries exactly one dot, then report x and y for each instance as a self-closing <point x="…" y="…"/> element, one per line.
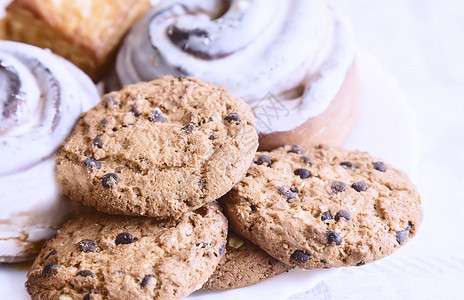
<point x="41" y="98"/>
<point x="291" y="60"/>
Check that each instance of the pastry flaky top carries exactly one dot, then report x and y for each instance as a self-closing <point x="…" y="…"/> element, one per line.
<point x="85" y="32"/>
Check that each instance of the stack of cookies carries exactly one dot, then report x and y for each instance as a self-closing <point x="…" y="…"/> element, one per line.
<point x="162" y="161"/>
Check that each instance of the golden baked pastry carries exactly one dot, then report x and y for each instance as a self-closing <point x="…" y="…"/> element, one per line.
<point x="85" y="32"/>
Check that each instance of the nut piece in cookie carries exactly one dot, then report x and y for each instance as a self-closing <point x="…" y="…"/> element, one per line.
<point x="243" y="264"/>
<point x="147" y="149"/>
<point x="101" y="256"/>
<point x="352" y="209"/>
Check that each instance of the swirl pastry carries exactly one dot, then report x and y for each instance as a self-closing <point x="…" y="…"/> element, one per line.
<point x="292" y="61"/>
<point x="41" y="98"/>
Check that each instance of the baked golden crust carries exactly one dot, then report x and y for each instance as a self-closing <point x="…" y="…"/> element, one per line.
<point x="85" y="32"/>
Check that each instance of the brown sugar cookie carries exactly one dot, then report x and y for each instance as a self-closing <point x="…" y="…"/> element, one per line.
<point x="101" y="256"/>
<point x="243" y="264"/>
<point x="158" y="149"/>
<point x="325" y="207"/>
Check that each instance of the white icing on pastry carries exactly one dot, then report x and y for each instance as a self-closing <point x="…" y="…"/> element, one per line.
<point x="41" y="98"/>
<point x="296" y="51"/>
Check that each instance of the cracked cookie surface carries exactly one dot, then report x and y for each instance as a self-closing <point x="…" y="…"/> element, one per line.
<point x="325" y="207"/>
<point x="158" y="149"/>
<point x="243" y="264"/>
<point x="101" y="256"/>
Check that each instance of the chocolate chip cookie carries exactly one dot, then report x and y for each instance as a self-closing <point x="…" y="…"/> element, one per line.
<point x="243" y="264"/>
<point x="158" y="149"/>
<point x="325" y="207"/>
<point x="102" y="256"/>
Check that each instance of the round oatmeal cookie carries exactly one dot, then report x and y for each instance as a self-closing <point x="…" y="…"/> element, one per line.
<point x="101" y="256"/>
<point x="158" y="149"/>
<point x="326" y="207"/>
<point x="243" y="264"/>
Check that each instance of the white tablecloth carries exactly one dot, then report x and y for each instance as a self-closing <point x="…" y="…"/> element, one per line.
<point x="421" y="43"/>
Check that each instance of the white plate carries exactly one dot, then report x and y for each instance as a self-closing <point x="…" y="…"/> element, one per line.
<point x="386" y="129"/>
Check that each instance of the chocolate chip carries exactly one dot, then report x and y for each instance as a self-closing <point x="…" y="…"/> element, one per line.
<point x="222" y="249"/>
<point x="359" y="186"/>
<point x="156" y="116"/>
<point x="409" y="226"/>
<point x="361" y="263"/>
<point x="88" y="296"/>
<point x="87" y="246"/>
<point x="104" y="122"/>
<point x="48" y="270"/>
<point x="289" y="193"/>
<point x="306" y="159"/>
<point x="342" y="213"/>
<point x="201" y="245"/>
<point x="326" y="216"/>
<point x="338" y="186"/>
<point x="124" y="238"/>
<point x="333" y="237"/>
<point x="93" y="163"/>
<point x="297" y="150"/>
<point x="379" y="166"/>
<point x="303" y="173"/>
<point x="85" y="273"/>
<point x="264" y="160"/>
<point x="189" y="128"/>
<point x="53" y="252"/>
<point x="98" y="142"/>
<point x="349" y="165"/>
<point x="402" y="235"/>
<point x="300" y="256"/>
<point x="136" y="111"/>
<point x="253" y="208"/>
<point x="233" y="117"/>
<point x="146" y="280"/>
<point x="211" y="138"/>
<point x="110" y="101"/>
<point x="109" y="180"/>
<point x="201" y="185"/>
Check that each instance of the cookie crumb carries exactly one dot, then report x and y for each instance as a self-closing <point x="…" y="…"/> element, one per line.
<point x="235" y="242"/>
